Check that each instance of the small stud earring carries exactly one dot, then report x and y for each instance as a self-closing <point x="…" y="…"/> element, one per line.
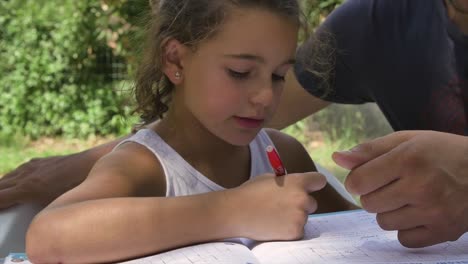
<point x="177" y="75"/>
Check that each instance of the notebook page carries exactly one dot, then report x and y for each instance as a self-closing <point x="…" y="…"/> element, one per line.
<point x="209" y="253"/>
<point x="355" y="237"/>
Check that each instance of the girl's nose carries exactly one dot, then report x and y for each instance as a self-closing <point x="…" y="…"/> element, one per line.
<point x="263" y="95"/>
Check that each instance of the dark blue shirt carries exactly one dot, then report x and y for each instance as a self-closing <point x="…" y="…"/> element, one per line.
<point x="404" y="55"/>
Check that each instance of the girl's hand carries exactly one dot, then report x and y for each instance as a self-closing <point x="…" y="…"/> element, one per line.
<point x="275" y="208"/>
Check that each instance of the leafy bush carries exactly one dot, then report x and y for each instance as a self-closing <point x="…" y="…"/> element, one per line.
<point x="63" y="64"/>
<point x="317" y="10"/>
<point x="55" y="78"/>
<point x="352" y="123"/>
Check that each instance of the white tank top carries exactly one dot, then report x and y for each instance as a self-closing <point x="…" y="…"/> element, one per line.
<point x="182" y="178"/>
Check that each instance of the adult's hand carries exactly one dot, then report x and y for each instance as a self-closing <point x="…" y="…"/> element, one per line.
<point x="416" y="182"/>
<point x="41" y="180"/>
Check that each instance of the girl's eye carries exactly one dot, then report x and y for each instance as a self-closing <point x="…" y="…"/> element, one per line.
<point x="238" y="75"/>
<point x="277" y="78"/>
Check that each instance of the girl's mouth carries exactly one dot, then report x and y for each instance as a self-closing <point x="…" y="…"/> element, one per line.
<point x="249" y="123"/>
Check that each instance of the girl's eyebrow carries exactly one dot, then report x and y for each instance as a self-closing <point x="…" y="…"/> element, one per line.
<point x="244" y="56"/>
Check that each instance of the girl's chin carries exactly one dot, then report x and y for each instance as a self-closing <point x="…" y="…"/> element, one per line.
<point x="240" y="141"/>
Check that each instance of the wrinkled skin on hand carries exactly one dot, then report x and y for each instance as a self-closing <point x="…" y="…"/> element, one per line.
<point x="416" y="182"/>
<point x="41" y="180"/>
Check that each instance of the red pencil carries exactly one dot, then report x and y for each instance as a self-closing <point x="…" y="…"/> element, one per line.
<point x="275" y="161"/>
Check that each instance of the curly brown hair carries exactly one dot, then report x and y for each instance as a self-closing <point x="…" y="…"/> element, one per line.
<point x="189" y="22"/>
<point x="318" y="56"/>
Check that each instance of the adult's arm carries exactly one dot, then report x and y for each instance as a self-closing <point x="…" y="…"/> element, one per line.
<point x="416" y="182"/>
<point x="296" y="104"/>
<point x="41" y="180"/>
<point x="332" y="66"/>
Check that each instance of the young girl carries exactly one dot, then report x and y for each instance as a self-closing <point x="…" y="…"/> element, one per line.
<point x="213" y="74"/>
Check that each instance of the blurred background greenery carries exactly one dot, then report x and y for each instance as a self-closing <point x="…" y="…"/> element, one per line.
<point x="66" y="70"/>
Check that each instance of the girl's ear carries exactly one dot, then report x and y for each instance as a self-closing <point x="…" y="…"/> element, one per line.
<point x="174" y="53"/>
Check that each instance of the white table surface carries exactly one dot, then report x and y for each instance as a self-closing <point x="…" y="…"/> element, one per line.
<point x="14" y="223"/>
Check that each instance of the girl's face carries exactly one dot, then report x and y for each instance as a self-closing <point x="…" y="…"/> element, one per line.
<point x="232" y="82"/>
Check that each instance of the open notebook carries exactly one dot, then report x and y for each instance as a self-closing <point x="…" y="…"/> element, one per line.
<point x="345" y="237"/>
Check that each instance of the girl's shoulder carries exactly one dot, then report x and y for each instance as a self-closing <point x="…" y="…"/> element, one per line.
<point x="282" y="140"/>
<point x="137" y="165"/>
<point x="127" y="171"/>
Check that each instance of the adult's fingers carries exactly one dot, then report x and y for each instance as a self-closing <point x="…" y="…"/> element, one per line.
<point x="405" y="218"/>
<point x="9" y="175"/>
<point x="365" y="152"/>
<point x="386" y="199"/>
<point x="9" y="197"/>
<point x="385" y="165"/>
<point x="415" y="228"/>
<point x="26" y="167"/>
<point x="375" y="174"/>
<point x="419" y="237"/>
<point x="7" y="183"/>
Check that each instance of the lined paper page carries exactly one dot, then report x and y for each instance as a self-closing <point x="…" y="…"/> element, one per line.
<point x="210" y="253"/>
<point x="355" y="237"/>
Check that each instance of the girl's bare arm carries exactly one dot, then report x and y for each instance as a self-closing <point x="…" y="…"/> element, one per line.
<point x="99" y="222"/>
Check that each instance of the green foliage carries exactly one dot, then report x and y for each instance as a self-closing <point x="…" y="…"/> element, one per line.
<point x="317" y="10"/>
<point x="55" y="80"/>
<point x="341" y="123"/>
<point x="63" y="64"/>
<point x="298" y="131"/>
<point x="351" y="123"/>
